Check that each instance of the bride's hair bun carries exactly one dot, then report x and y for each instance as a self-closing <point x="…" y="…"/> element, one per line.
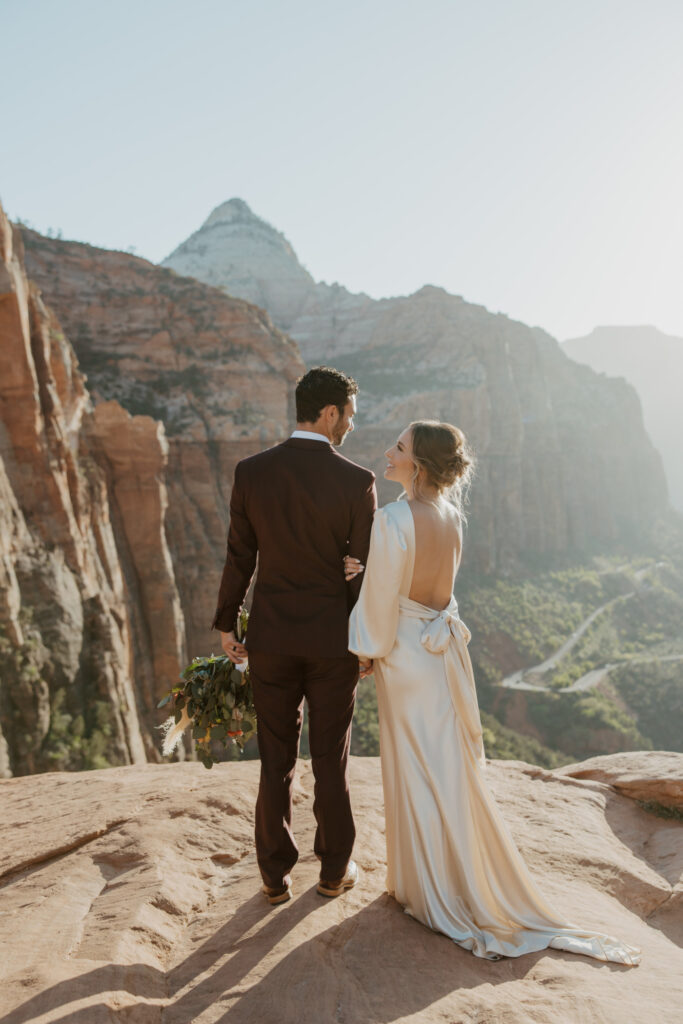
<point x="442" y="451"/>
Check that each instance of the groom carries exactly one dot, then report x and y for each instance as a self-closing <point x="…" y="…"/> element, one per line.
<point x="301" y="506"/>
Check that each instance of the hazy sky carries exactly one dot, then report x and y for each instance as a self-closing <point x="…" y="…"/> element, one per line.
<point x="526" y="154"/>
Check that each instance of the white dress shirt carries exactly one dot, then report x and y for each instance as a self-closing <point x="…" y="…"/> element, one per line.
<point x="311" y="435"/>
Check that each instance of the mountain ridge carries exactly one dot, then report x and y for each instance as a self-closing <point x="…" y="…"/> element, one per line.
<point x="652" y="362"/>
<point x="540" y="423"/>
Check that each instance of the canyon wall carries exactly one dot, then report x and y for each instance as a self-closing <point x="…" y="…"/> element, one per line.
<point x="564" y="463"/>
<point x="91" y="630"/>
<point x="653" y="363"/>
<point x="115" y="493"/>
<point x="213" y="368"/>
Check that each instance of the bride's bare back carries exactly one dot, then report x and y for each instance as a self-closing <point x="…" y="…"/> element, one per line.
<point x="438" y="541"/>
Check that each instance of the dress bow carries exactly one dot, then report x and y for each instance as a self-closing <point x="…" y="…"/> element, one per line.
<point x="436" y="636"/>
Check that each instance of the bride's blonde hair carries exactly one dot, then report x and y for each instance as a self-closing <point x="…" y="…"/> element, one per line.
<point x="444" y="454"/>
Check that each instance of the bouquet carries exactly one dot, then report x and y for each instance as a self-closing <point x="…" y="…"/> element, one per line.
<point x="216" y="698"/>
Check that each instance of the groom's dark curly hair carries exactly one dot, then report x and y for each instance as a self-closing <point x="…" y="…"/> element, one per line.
<point x="321" y="386"/>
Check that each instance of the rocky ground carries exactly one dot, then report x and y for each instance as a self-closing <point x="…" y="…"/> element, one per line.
<point x="132" y="894"/>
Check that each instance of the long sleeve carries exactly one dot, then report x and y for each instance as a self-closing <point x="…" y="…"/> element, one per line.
<point x="359" y="539"/>
<point x="240" y="561"/>
<point x="374" y="620"/>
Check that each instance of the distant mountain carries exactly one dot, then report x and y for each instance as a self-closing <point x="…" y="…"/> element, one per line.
<point x="653" y="363"/>
<point x="245" y="256"/>
<point x="564" y="464"/>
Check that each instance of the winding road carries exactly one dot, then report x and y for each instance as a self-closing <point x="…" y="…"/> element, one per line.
<point x="520" y="680"/>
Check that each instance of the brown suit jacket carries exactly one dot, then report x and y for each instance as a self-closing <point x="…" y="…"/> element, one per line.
<point x="301" y="506"/>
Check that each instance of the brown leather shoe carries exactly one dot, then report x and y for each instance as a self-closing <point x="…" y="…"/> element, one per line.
<point x="339" y="885"/>
<point x="280" y="894"/>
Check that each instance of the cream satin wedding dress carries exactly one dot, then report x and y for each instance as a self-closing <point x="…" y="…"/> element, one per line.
<point x="451" y="860"/>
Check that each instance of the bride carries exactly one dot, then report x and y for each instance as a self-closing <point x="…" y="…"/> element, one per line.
<point x="451" y="860"/>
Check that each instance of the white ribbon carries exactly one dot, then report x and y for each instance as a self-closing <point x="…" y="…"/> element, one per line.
<point x="441" y="628"/>
<point x="437" y="634"/>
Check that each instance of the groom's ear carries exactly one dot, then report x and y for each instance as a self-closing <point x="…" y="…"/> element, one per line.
<point x="331" y="414"/>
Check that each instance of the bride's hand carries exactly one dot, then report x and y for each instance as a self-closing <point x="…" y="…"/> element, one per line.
<point x="352" y="567"/>
<point x="366" y="666"/>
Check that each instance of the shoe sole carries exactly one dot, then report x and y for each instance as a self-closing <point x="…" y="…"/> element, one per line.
<point x="330" y="893"/>
<point x="282" y="898"/>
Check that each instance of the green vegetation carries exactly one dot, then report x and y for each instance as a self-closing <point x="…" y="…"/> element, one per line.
<point x="48" y="729"/>
<point x="598" y="645"/>
<point x="661" y="810"/>
<point x="584" y="724"/>
<point x="508" y="745"/>
<point x="74" y="744"/>
<point x="517" y="623"/>
<point x="534" y="615"/>
<point x="24" y="693"/>
<point x="654" y="618"/>
<point x="653" y="693"/>
<point x="650" y="621"/>
<point x="365" y="732"/>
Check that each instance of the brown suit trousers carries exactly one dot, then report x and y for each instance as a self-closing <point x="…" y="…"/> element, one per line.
<point x="300" y="506"/>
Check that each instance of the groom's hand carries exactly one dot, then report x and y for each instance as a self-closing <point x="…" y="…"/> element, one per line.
<point x="236" y="651"/>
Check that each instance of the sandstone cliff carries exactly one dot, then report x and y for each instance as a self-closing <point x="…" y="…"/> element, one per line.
<point x="91" y="630"/>
<point x="212" y="368"/>
<point x="653" y="363"/>
<point x="565" y="464"/>
<point x="132" y="895"/>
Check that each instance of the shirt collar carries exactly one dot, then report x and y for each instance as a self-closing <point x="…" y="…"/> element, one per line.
<point x="310" y="435"/>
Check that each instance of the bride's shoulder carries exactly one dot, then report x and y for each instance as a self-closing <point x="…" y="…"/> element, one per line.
<point x="391" y="528"/>
<point x="395" y="511"/>
<point x="395" y="516"/>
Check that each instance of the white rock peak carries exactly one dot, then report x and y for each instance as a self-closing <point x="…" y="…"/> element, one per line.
<point x="232" y="210"/>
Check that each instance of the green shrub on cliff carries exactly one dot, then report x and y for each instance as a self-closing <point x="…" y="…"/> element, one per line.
<point x="654" y="694"/>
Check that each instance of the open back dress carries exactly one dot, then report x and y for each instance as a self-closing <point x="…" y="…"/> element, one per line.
<point x="451" y="859"/>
